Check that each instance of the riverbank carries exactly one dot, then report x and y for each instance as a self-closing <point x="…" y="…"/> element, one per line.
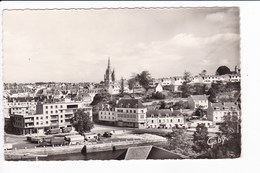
<point x="21" y="154"/>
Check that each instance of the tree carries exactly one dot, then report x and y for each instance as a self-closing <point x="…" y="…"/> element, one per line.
<point x="99" y="98"/>
<point x="200" y="138"/>
<point x="222" y="70"/>
<point x="230" y="128"/>
<point x="158" y="95"/>
<point x="132" y="82"/>
<point x="144" y="79"/>
<point x="187" y="77"/>
<point x="199" y="89"/>
<point x="122" y="87"/>
<point x="203" y="73"/>
<point x="180" y="142"/>
<point x="162" y="105"/>
<point x="180" y="105"/>
<point x="212" y="95"/>
<point x="185" y="88"/>
<point x="82" y="121"/>
<point x="200" y="112"/>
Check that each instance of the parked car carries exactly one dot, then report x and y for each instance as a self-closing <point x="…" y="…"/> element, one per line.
<point x="66" y="129"/>
<point x="52" y="131"/>
<point x="107" y="134"/>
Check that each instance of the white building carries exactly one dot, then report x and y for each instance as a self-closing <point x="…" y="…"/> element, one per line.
<point x="49" y="116"/>
<point x="108" y="115"/>
<point x="131" y="113"/>
<point x="216" y="111"/>
<point x="164" y="118"/>
<point x="196" y="101"/>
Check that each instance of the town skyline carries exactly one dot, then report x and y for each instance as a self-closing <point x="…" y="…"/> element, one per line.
<point x="73" y="47"/>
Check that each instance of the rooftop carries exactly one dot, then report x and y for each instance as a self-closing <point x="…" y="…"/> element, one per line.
<point x="130" y="103"/>
<point x="199" y="97"/>
<point x="162" y="112"/>
<point x="147" y="152"/>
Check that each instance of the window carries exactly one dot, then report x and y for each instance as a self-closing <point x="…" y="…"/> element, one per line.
<point x="51" y="107"/>
<point x="101" y="117"/>
<point x="142" y="116"/>
<point x="61" y="111"/>
<point x="101" y="113"/>
<point x="46" y="112"/>
<point x="60" y="106"/>
<point x="46" y="107"/>
<point x="159" y="121"/>
<point x="46" y="117"/>
<point x="56" y="106"/>
<point x="179" y="120"/>
<point x="56" y="111"/>
<point x="142" y="111"/>
<point x="127" y="111"/>
<point x="152" y="121"/>
<point x="37" y="123"/>
<point x="61" y="116"/>
<point x="61" y="121"/>
<point x="171" y="120"/>
<point x="47" y="122"/>
<point x="130" y="111"/>
<point x="41" y="118"/>
<point x="37" y="118"/>
<point x="51" y="112"/>
<point x="134" y="111"/>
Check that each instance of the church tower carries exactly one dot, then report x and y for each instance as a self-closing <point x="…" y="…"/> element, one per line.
<point x="109" y="77"/>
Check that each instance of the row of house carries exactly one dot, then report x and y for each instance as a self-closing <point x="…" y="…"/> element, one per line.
<point x="204" y="79"/>
<point x="132" y="113"/>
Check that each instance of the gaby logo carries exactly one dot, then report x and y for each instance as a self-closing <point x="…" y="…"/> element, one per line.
<point x="216" y="140"/>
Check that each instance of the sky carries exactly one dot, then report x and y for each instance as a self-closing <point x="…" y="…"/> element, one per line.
<point x="74" y="45"/>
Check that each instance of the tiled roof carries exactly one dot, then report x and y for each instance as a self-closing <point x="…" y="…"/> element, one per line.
<point x="130" y="103"/>
<point x="199" y="97"/>
<point x="137" y="153"/>
<point x="224" y="105"/>
<point x="147" y="152"/>
<point x="162" y="112"/>
<point x="21" y="99"/>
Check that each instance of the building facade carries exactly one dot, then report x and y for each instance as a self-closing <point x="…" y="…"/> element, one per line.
<point x="196" y="101"/>
<point x="126" y="113"/>
<point x="49" y="116"/>
<point x="217" y="111"/>
<point x="164" y="119"/>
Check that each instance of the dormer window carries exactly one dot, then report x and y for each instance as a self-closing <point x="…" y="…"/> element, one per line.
<point x="225" y="108"/>
<point x="216" y="108"/>
<point x="152" y="115"/>
<point x="233" y="108"/>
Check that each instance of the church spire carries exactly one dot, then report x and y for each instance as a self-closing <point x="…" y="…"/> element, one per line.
<point x="108" y="65"/>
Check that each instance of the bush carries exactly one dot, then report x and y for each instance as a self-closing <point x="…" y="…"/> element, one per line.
<point x="158" y="95"/>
